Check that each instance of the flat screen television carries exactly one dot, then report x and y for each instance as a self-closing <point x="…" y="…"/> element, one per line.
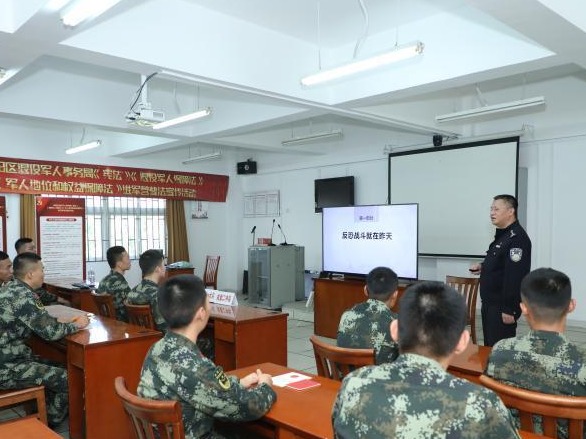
<point x="359" y="238"/>
<point x="334" y="192"/>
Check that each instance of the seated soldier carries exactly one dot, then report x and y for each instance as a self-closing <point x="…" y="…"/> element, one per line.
<point x="27" y="245"/>
<point x="414" y="396"/>
<point x="543" y="360"/>
<point x="152" y="265"/>
<point x="5" y="268"/>
<point x="366" y="325"/>
<point x="174" y="367"/>
<point x="21" y="314"/>
<point x="114" y="283"/>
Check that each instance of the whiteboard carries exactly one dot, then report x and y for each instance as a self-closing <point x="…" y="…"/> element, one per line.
<point x="454" y="187"/>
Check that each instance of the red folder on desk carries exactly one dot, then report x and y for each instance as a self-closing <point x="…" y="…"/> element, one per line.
<point x="303" y="385"/>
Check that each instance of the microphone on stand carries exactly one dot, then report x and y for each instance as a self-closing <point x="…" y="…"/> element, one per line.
<point x="272" y="230"/>
<point x="283" y="233"/>
<point x="253" y="231"/>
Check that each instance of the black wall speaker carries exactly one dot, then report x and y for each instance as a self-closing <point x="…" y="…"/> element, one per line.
<point x="247" y="167"/>
<point x="437" y="140"/>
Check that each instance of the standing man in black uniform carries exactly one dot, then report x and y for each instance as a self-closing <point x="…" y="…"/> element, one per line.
<point x="507" y="261"/>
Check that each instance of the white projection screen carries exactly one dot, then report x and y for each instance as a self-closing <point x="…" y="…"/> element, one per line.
<point x="454" y="187"/>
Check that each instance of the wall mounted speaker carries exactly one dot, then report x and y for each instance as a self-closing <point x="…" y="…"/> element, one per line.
<point x="247" y="167"/>
<point x="437" y="140"/>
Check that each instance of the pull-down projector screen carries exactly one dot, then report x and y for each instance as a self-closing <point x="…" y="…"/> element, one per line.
<point x="454" y="187"/>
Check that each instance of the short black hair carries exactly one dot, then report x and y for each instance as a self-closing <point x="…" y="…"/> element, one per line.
<point x="22" y="264"/>
<point x="114" y="254"/>
<point x="509" y="200"/>
<point x="21" y="242"/>
<point x="3" y="255"/>
<point x="432" y="317"/>
<point x="547" y="293"/>
<point x="381" y="282"/>
<point x="179" y="298"/>
<point x="149" y="261"/>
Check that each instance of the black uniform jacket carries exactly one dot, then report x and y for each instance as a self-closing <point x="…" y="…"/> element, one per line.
<point x="507" y="261"/>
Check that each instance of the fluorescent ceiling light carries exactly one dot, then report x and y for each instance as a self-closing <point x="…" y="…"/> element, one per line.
<point x="210" y="156"/>
<point x="84" y="147"/>
<point x="181" y="119"/>
<point x="314" y="137"/>
<point x="491" y="109"/>
<point x="84" y="9"/>
<point x="5" y="75"/>
<point x="397" y="54"/>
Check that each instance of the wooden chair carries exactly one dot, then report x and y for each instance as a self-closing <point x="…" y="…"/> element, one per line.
<point x="549" y="408"/>
<point x="210" y="276"/>
<point x="140" y="315"/>
<point x="105" y="304"/>
<point x="468" y="287"/>
<point x="151" y="418"/>
<point x="11" y="398"/>
<point x="335" y="362"/>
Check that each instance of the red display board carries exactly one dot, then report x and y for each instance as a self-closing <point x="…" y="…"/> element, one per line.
<point x="61" y="236"/>
<point x="44" y="177"/>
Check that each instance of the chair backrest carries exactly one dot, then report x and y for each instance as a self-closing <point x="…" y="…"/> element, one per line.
<point x="335" y="362"/>
<point x="11" y="398"/>
<point x="151" y="418"/>
<point x="140" y="315"/>
<point x="105" y="304"/>
<point x="210" y="276"/>
<point x="468" y="287"/>
<point x="549" y="408"/>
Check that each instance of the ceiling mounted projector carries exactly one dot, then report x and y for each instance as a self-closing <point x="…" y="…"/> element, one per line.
<point x="145" y="116"/>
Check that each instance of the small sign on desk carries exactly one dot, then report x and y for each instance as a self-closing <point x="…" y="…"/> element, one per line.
<point x="222" y="297"/>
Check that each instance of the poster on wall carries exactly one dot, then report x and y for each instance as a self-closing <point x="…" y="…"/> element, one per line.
<point x="3" y="223"/>
<point x="61" y="236"/>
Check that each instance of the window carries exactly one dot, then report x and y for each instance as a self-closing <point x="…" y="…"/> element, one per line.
<point x="137" y="224"/>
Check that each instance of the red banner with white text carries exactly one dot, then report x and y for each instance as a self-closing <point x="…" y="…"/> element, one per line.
<point x="45" y="177"/>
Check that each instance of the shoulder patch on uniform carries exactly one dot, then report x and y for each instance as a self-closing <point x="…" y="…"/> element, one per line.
<point x="516" y="254"/>
<point x="223" y="380"/>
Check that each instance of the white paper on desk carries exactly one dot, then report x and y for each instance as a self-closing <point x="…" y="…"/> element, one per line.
<point x="288" y="378"/>
<point x="64" y="312"/>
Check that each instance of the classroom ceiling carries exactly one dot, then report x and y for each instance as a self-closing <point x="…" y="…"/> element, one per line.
<point x="245" y="58"/>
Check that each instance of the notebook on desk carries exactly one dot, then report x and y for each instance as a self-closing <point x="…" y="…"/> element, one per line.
<point x="64" y="312"/>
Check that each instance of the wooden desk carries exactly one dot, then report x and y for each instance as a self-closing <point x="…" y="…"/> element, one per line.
<point x="306" y="414"/>
<point x="244" y="336"/>
<point x="78" y="297"/>
<point x="331" y="297"/>
<point x="26" y="428"/>
<point x="94" y="357"/>
<point x="471" y="363"/>
<point x="170" y="272"/>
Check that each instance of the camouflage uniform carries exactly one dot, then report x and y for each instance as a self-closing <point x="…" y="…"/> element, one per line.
<point x="46" y="297"/>
<point x="115" y="284"/>
<point x="174" y="368"/>
<point x="21" y="314"/>
<point x="365" y="326"/>
<point x="414" y="397"/>
<point x="543" y="361"/>
<point x="145" y="293"/>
